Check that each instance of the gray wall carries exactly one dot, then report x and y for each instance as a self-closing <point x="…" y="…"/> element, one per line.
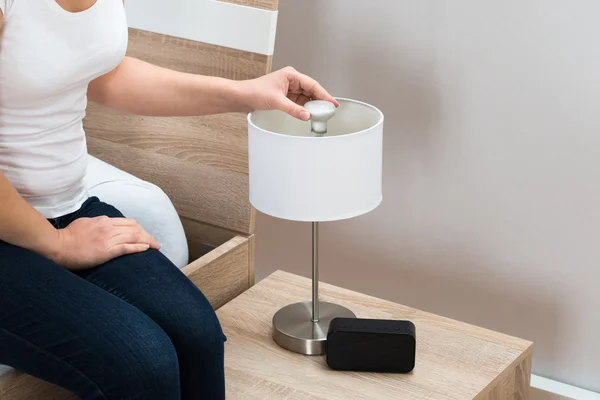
<point x="491" y="209"/>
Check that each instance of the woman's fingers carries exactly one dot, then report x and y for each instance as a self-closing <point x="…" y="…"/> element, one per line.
<point x="123" y="222"/>
<point x="300" y="99"/>
<point x="310" y="86"/>
<point x="132" y="235"/>
<point x="127" y="248"/>
<point x="294" y="109"/>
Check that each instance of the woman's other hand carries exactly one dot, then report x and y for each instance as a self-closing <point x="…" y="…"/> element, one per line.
<point x="286" y="90"/>
<point x="89" y="242"/>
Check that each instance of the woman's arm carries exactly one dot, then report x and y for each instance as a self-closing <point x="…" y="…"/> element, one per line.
<point x="21" y="225"/>
<point x="138" y="87"/>
<point x="85" y="243"/>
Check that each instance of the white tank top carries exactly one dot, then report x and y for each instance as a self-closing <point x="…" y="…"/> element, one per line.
<point x="48" y="57"/>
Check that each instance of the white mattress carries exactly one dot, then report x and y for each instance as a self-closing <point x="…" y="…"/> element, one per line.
<point x="142" y="201"/>
<point x="4" y="369"/>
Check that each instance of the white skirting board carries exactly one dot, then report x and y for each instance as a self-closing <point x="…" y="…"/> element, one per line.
<point x="208" y="21"/>
<point x="562" y="389"/>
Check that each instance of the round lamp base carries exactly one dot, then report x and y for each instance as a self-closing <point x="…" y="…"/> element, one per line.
<point x="294" y="330"/>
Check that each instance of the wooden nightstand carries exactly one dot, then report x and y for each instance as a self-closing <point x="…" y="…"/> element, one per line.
<point x="455" y="360"/>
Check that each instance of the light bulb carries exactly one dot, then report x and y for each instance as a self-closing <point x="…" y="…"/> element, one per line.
<point x="320" y="112"/>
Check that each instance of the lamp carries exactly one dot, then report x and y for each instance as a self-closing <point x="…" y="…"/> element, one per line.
<point x="325" y="169"/>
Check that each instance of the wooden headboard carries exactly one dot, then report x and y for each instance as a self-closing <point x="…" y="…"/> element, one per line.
<point x="201" y="162"/>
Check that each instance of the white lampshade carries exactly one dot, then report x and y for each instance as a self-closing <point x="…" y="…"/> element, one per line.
<point x="298" y="175"/>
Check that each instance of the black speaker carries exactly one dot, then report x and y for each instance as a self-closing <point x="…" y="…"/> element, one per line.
<point x="371" y="345"/>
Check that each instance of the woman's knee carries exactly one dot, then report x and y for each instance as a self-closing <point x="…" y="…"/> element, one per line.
<point x="201" y="336"/>
<point x="145" y="368"/>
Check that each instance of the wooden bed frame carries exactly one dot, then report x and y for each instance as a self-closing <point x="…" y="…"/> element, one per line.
<point x="201" y="163"/>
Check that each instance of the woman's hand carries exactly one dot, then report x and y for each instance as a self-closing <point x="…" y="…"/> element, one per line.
<point x="286" y="90"/>
<point x="89" y="242"/>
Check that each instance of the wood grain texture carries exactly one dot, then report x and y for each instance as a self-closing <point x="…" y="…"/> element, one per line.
<point x="455" y="360"/>
<point x="223" y="273"/>
<point x="265" y="4"/>
<point x="537" y="394"/>
<point x="218" y="142"/>
<point x="196" y="57"/>
<point x="251" y="261"/>
<point x="26" y="387"/>
<point x="198" y="235"/>
<point x="201" y="162"/>
<point x="514" y="383"/>
<point x="522" y="388"/>
<point x="208" y="234"/>
<point x="6" y="378"/>
<point x="210" y="195"/>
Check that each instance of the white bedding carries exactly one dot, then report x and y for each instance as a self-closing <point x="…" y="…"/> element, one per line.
<point x="4" y="369"/>
<point x="142" y="201"/>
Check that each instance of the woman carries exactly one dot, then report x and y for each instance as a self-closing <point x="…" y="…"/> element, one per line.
<point x="86" y="299"/>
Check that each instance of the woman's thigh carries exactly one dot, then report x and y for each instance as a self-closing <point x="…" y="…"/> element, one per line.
<point x="154" y="285"/>
<point x="56" y="326"/>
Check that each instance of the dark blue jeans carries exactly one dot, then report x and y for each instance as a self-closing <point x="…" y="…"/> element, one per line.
<point x="133" y="328"/>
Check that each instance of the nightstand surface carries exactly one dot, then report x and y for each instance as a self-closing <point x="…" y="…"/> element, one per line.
<point x="455" y="360"/>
